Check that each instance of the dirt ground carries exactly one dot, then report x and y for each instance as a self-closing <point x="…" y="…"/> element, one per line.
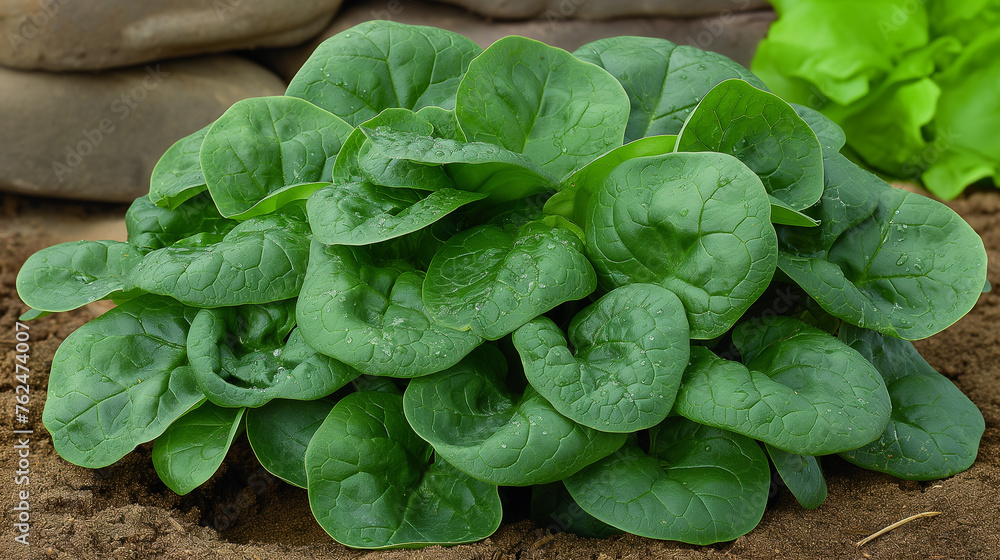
<point x="124" y="512"/>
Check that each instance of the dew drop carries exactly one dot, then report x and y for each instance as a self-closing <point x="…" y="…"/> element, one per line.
<point x="902" y="259"/>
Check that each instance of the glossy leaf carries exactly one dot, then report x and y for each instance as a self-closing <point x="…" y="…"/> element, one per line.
<point x="347" y="169"/>
<point x="801" y="390"/>
<point x="492" y="280"/>
<point x="697" y="224"/>
<point x="556" y="110"/>
<point x="830" y="135"/>
<point x="884" y="258"/>
<point x="697" y="484"/>
<point x="298" y="140"/>
<point x="763" y="132"/>
<point x="802" y="475"/>
<point x="477" y="425"/>
<point x="629" y="350"/>
<point x="194" y="446"/>
<point x="279" y="433"/>
<point x="664" y="81"/>
<point x="153" y="227"/>
<point x="177" y="175"/>
<point x="371" y="316"/>
<point x="363" y="213"/>
<point x="381" y="64"/>
<point x="372" y="483"/>
<point x="934" y="429"/>
<point x="119" y="381"/>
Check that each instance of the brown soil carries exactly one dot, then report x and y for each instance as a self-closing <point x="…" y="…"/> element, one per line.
<point x="124" y="512"/>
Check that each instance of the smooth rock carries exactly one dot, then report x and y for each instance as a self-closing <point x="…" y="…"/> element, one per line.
<point x="93" y="35"/>
<point x="97" y="136"/>
<point x="604" y="9"/>
<point x="734" y="34"/>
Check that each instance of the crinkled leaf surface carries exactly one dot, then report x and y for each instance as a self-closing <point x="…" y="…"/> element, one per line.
<point x="347" y="169"/>
<point x="542" y="102"/>
<point x="492" y="280"/>
<point x="801" y="474"/>
<point x="267" y="151"/>
<point x="279" y="433"/>
<point x="477" y="425"/>
<point x="193" y="447"/>
<point x="152" y="227"/>
<point x="829" y="133"/>
<point x="372" y="317"/>
<point x="697" y="224"/>
<point x="629" y="350"/>
<point x="801" y="390"/>
<point x="664" y="81"/>
<point x="763" y="132"/>
<point x="884" y="258"/>
<point x="474" y="166"/>
<point x="445" y="122"/>
<point x="248" y="355"/>
<point x="697" y="484"/>
<point x="934" y="429"/>
<point x="259" y="261"/>
<point x="363" y="213"/>
<point x="380" y="64"/>
<point x="69" y="275"/>
<point x="120" y="380"/>
<point x="177" y="175"/>
<point x="372" y="483"/>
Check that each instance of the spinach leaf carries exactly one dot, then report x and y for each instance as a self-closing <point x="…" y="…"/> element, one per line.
<point x="492" y="280"/>
<point x="372" y="317"/>
<point x="279" y="433"/>
<point x="555" y="109"/>
<point x="193" y="447"/>
<point x="801" y="390"/>
<point x="376" y="65"/>
<point x="630" y="349"/>
<point x="476" y="424"/>
<point x="152" y="227"/>
<point x="696" y="484"/>
<point x="697" y="224"/>
<point x="920" y="443"/>
<point x="177" y="176"/>
<point x="120" y="380"/>
<point x="298" y="139"/>
<point x="801" y="474"/>
<point x="372" y="483"/>
<point x="664" y="81"/>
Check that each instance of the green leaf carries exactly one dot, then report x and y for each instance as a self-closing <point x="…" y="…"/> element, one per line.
<point x="492" y="280"/>
<point x="119" y="381"/>
<point x="801" y="474"/>
<point x="363" y="213"/>
<point x="249" y="355"/>
<point x="279" y="433"/>
<point x="265" y="152"/>
<point x="474" y="166"/>
<point x="152" y="227"/>
<point x="697" y="224"/>
<point x="347" y="169"/>
<point x="781" y="213"/>
<point x="194" y="446"/>
<point x="830" y="135"/>
<point x="801" y="390"/>
<point x="884" y="258"/>
<point x="259" y="261"/>
<point x="445" y="123"/>
<point x="542" y="102"/>
<point x="69" y="275"/>
<point x="372" y="483"/>
<point x="763" y="132"/>
<point x="380" y="64"/>
<point x="371" y="316"/>
<point x="934" y="429"/>
<point x="575" y="191"/>
<point x="554" y="509"/>
<point x="177" y="175"/>
<point x="663" y="81"/>
<point x="477" y="425"/>
<point x="697" y="484"/>
<point x="630" y="349"/>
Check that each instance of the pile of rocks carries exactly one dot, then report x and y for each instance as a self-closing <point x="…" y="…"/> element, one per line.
<point x="92" y="93"/>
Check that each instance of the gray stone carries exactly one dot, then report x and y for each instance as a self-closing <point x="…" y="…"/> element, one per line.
<point x="97" y="136"/>
<point x="99" y="34"/>
<point x="604" y="9"/>
<point x="734" y="34"/>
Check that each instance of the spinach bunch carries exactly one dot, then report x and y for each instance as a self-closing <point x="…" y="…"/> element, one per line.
<point x="624" y="276"/>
